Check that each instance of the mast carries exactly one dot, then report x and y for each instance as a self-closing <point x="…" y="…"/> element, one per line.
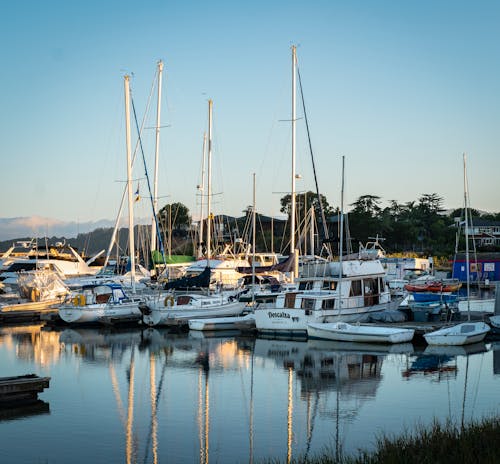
<point x="467" y="265"/>
<point x="209" y="176"/>
<point x="201" y="188"/>
<point x="157" y="155"/>
<point x="294" y="120"/>
<point x="253" y="242"/>
<point x="341" y="245"/>
<point x="131" y="243"/>
<point x="311" y="230"/>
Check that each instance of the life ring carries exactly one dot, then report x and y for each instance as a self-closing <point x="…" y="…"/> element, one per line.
<point x="169" y="300"/>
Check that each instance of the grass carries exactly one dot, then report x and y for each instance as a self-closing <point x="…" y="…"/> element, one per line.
<point x="477" y="442"/>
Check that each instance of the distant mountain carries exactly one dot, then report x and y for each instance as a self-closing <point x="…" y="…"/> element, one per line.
<point x="37" y="226"/>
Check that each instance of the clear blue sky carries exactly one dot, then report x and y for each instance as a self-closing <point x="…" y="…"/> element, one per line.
<point x="401" y="89"/>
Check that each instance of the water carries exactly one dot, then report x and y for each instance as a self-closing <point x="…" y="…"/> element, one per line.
<point x="132" y="396"/>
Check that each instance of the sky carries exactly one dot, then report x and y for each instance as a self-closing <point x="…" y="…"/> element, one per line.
<point x="400" y="89"/>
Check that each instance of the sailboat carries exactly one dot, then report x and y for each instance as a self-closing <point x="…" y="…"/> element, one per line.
<point x="107" y="302"/>
<point x="466" y="332"/>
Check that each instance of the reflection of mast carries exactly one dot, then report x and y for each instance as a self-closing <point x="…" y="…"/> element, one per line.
<point x="203" y="415"/>
<point x="116" y="391"/>
<point x="465" y="390"/>
<point x="130" y="410"/>
<point x="250" y="460"/>
<point x="154" y="407"/>
<point x="290" y="416"/>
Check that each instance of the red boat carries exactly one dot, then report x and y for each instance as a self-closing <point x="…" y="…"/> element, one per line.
<point x="434" y="286"/>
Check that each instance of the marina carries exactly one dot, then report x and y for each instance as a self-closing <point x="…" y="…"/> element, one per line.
<point x="227" y="324"/>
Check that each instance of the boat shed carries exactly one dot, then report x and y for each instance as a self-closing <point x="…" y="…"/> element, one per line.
<point x="484" y="268"/>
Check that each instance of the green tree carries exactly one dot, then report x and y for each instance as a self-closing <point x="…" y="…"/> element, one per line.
<point x="175" y="215"/>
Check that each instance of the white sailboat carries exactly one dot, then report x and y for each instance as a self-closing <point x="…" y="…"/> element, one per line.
<point x="467" y="332"/>
<point x="107" y="302"/>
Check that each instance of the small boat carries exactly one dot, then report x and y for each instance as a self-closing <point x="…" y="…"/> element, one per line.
<point x="342" y="331"/>
<point x="424" y="297"/>
<point x="495" y="323"/>
<point x="434" y="286"/>
<point x="460" y="334"/>
<point x="246" y="322"/>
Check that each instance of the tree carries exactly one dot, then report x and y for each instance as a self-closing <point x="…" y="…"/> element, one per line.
<point x="175" y="215"/>
<point x="304" y="201"/>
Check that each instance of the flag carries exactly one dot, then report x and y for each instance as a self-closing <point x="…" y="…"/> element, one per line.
<point x="137" y="196"/>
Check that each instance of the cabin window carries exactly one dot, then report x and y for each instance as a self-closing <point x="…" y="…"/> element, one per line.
<point x="328" y="304"/>
<point x="355" y="288"/>
<point x="305" y="286"/>
<point x="183" y="300"/>
<point x="307" y="303"/>
<point x="290" y="300"/>
<point x="329" y="285"/>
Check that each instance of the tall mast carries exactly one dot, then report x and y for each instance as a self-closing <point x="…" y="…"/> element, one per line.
<point x="294" y="120"/>
<point x="201" y="188"/>
<point x="157" y="154"/>
<point x="254" y="225"/>
<point x="467" y="265"/>
<point x="341" y="245"/>
<point x="209" y="179"/>
<point x="131" y="244"/>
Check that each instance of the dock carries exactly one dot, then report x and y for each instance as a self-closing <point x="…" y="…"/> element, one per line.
<point x="22" y="388"/>
<point x="15" y="312"/>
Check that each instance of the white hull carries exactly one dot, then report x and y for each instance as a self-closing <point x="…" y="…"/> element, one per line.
<point x="495" y="322"/>
<point x="97" y="313"/>
<point x="180" y="316"/>
<point x="223" y="323"/>
<point x="286" y="320"/>
<point x="460" y="334"/>
<point x="341" y="331"/>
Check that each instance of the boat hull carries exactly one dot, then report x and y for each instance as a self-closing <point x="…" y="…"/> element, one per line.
<point x="354" y="333"/>
<point x="95" y="314"/>
<point x="295" y="321"/>
<point x="179" y="316"/>
<point x="223" y="323"/>
<point x="460" y="334"/>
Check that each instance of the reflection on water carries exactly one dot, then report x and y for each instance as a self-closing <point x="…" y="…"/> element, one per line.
<point x="153" y="396"/>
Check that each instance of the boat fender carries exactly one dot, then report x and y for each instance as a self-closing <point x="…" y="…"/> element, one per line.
<point x="35" y="294"/>
<point x="169" y="300"/>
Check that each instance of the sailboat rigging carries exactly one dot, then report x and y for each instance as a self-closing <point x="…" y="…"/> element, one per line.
<point x="467" y="332"/>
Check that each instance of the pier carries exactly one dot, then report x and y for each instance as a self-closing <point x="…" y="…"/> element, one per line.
<point x="22" y="388"/>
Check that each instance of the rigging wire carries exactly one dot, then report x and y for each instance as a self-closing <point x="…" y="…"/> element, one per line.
<point x="323" y="219"/>
<point x="149" y="185"/>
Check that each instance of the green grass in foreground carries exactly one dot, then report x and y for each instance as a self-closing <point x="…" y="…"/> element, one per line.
<point x="478" y="442"/>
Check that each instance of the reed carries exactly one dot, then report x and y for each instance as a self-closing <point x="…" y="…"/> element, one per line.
<point x="476" y="442"/>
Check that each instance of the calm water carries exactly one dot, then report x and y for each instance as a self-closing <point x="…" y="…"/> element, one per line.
<point x="132" y="396"/>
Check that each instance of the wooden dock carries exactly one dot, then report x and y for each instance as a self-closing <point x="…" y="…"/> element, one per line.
<point x="15" y="312"/>
<point x="22" y="388"/>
